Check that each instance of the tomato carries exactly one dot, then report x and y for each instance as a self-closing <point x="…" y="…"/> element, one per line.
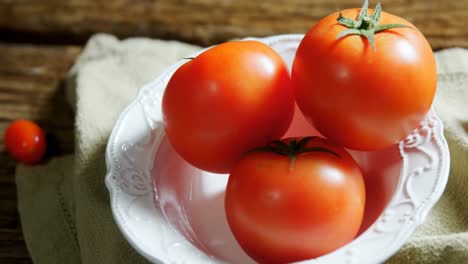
<point x="361" y="95"/>
<point x="229" y="99"/>
<point x="295" y="200"/>
<point x="25" y="141"/>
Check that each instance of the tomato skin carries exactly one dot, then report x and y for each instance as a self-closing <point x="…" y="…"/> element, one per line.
<point x="229" y="99"/>
<point x="360" y="97"/>
<point x="280" y="213"/>
<point x="25" y="141"/>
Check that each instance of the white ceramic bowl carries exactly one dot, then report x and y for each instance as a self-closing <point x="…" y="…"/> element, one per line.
<point x="171" y="212"/>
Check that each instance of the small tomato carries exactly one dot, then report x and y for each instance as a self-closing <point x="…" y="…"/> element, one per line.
<point x="25" y="141"/>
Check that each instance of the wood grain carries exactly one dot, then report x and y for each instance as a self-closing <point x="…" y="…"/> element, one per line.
<point x="31" y="87"/>
<point x="208" y="22"/>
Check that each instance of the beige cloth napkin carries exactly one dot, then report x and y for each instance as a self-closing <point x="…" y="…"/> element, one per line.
<point x="64" y="205"/>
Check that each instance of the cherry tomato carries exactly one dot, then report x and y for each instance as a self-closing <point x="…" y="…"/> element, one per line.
<point x="25" y="141"/>
<point x="229" y="99"/>
<point x="295" y="200"/>
<point x="365" y="93"/>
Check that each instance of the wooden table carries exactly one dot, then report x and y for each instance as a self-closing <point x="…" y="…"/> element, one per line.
<point x="39" y="41"/>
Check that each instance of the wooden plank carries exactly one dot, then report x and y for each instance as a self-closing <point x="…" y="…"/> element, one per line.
<point x="12" y="246"/>
<point x="211" y="21"/>
<point x="31" y="87"/>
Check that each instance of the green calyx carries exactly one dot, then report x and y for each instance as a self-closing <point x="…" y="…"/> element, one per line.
<point x="293" y="148"/>
<point x="365" y="25"/>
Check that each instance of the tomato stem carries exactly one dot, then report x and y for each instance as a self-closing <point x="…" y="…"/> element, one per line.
<point x="293" y="148"/>
<point x="365" y="25"/>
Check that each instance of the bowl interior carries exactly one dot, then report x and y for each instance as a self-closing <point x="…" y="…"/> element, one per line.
<point x="192" y="200"/>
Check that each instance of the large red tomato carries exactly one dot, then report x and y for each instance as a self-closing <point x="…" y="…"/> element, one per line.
<point x="25" y="141"/>
<point x="364" y="84"/>
<point x="295" y="200"/>
<point x="229" y="99"/>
